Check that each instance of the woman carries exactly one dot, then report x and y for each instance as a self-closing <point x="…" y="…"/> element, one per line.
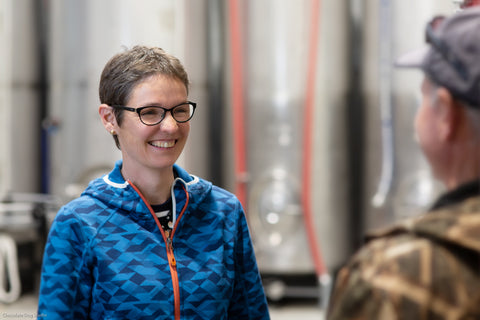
<point x="149" y="240"/>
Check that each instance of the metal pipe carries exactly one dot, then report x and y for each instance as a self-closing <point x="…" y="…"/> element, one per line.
<point x="10" y="286"/>
<point x="321" y="271"/>
<point x="385" y="82"/>
<point x="41" y="18"/>
<point x="215" y="62"/>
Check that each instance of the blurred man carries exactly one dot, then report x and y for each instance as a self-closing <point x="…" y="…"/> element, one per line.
<point x="428" y="267"/>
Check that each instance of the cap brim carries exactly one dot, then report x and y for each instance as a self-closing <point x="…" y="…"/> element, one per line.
<point x="413" y="59"/>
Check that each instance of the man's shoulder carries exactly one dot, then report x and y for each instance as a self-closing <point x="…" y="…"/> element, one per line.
<point x="418" y="262"/>
<point x="406" y="269"/>
<point x="455" y="225"/>
<point x="393" y="254"/>
<point x="448" y="232"/>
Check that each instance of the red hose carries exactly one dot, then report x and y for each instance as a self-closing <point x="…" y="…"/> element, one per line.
<point x="470" y="3"/>
<point x="236" y="47"/>
<point x="315" y="252"/>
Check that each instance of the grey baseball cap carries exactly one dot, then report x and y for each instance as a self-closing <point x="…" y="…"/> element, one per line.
<point x="452" y="58"/>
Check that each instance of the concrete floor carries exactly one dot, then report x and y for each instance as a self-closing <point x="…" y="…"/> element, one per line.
<point x="26" y="306"/>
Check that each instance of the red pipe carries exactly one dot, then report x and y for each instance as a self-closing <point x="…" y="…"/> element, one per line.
<point x="470" y="3"/>
<point x="236" y="47"/>
<point x="320" y="268"/>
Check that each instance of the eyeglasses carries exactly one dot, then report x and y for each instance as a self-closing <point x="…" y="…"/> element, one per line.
<point x="442" y="48"/>
<point x="153" y="115"/>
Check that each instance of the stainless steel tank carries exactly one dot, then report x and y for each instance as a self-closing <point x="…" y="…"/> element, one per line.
<point x="23" y="212"/>
<point x="275" y="50"/>
<point x="397" y="180"/>
<point x="19" y="98"/>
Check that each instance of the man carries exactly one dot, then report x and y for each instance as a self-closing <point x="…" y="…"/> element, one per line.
<point x="428" y="267"/>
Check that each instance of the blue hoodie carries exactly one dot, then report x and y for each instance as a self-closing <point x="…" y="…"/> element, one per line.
<point x="107" y="258"/>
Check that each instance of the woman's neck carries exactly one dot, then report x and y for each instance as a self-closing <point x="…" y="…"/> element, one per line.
<point x="155" y="185"/>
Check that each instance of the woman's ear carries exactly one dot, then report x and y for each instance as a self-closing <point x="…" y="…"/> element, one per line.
<point x="108" y="117"/>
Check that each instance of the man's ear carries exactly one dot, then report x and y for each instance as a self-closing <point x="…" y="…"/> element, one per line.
<point x="449" y="114"/>
<point x="108" y="117"/>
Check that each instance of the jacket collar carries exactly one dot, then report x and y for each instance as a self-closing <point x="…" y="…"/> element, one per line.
<point x="113" y="190"/>
<point x="457" y="195"/>
<point x="116" y="180"/>
<point x="454" y="219"/>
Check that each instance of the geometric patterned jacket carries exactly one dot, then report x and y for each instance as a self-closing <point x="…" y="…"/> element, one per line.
<point x="107" y="257"/>
<point x="427" y="267"/>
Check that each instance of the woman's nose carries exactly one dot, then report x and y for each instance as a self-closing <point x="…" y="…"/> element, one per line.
<point x="168" y="123"/>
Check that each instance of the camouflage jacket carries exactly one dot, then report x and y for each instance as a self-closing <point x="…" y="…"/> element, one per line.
<point x="426" y="267"/>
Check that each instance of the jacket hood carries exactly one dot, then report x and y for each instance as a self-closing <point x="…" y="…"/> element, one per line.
<point x="458" y="224"/>
<point x="112" y="189"/>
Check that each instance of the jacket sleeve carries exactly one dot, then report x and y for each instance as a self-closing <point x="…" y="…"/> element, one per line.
<point x="65" y="281"/>
<point x="249" y="300"/>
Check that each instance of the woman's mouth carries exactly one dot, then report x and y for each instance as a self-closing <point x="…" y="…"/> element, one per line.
<point x="162" y="144"/>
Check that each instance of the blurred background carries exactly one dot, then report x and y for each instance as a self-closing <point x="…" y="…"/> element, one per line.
<point x="300" y="113"/>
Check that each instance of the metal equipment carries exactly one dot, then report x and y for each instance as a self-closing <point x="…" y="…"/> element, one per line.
<point x="275" y="61"/>
<point x="403" y="186"/>
<point x="19" y="98"/>
<point x="22" y="223"/>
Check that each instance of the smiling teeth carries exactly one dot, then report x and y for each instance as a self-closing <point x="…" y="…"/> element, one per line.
<point x="163" y="144"/>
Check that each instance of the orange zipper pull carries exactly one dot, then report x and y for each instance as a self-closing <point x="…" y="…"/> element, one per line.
<point x="173" y="262"/>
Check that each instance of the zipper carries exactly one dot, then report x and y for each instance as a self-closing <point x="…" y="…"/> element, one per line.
<point x="173" y="271"/>
<point x="168" y="238"/>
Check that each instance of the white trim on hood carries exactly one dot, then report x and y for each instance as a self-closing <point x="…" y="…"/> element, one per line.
<point x="114" y="184"/>
<point x="172" y="192"/>
<point x="195" y="180"/>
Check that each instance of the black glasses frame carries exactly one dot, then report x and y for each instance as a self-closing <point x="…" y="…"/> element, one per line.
<point x="442" y="47"/>
<point x="171" y="110"/>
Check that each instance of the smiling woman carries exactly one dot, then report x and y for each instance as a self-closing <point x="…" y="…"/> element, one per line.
<point x="149" y="240"/>
<point x="149" y="151"/>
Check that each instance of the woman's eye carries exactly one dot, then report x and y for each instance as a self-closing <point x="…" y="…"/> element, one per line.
<point x="150" y="112"/>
